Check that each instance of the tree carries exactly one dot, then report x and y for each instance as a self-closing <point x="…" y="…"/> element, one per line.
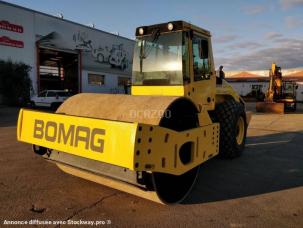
<point x="15" y="83"/>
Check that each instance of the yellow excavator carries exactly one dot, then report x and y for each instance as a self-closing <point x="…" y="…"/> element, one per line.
<point x="280" y="95"/>
<point x="152" y="142"/>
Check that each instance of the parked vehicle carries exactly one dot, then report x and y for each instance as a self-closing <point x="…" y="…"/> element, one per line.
<point x="49" y="98"/>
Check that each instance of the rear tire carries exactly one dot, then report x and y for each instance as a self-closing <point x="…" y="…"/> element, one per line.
<point x="232" y="118"/>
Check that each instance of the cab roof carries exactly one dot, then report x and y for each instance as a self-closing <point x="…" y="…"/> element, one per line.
<point x="177" y="26"/>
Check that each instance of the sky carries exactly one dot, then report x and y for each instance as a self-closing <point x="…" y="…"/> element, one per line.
<point x="246" y="35"/>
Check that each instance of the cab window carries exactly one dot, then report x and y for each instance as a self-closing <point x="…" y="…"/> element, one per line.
<point x="201" y="61"/>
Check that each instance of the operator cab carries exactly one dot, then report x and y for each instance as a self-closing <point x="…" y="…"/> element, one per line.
<point x="162" y="54"/>
<point x="174" y="59"/>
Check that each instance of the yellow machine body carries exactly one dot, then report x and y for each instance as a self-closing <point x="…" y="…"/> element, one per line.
<point x="138" y="147"/>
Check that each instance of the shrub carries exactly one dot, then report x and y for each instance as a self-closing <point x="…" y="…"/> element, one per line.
<point x="15" y="83"/>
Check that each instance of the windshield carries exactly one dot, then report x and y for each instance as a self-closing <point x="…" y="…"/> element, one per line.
<point x="158" y="59"/>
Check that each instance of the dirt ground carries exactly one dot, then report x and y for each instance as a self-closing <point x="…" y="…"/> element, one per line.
<point x="263" y="188"/>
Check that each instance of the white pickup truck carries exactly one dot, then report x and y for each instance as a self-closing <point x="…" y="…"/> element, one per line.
<point x="49" y="98"/>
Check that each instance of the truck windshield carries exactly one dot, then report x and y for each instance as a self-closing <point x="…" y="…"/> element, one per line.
<point x="158" y="59"/>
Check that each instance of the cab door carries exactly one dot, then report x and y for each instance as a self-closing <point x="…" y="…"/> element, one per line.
<point x="203" y="72"/>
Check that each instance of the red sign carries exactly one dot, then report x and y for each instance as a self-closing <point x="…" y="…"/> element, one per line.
<point x="6" y="41"/>
<point x="11" y="27"/>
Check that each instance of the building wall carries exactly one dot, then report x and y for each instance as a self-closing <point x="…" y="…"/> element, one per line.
<point x="243" y="88"/>
<point x="56" y="33"/>
<point x="91" y="42"/>
<point x="25" y="19"/>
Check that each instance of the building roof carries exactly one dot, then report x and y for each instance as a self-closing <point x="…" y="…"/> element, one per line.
<point x="250" y="77"/>
<point x="245" y="74"/>
<point x="296" y="74"/>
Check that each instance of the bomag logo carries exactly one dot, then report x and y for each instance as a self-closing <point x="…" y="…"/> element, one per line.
<point x="72" y="135"/>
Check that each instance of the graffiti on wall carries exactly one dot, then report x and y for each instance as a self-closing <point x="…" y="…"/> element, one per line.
<point x="115" y="55"/>
<point x="100" y="52"/>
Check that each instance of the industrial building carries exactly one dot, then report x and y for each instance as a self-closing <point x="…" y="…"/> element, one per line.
<point x="248" y="84"/>
<point x="64" y="54"/>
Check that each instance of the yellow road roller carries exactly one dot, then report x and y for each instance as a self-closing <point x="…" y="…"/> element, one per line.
<point x="152" y="142"/>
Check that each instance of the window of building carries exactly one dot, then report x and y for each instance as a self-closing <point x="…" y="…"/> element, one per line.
<point x="256" y="91"/>
<point x="256" y="87"/>
<point x="96" y="79"/>
<point x="123" y="81"/>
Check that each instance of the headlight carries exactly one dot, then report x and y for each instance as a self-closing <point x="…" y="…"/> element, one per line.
<point x="170" y="26"/>
<point x="141" y="31"/>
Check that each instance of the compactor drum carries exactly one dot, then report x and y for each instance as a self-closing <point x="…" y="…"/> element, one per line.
<point x="152" y="142"/>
